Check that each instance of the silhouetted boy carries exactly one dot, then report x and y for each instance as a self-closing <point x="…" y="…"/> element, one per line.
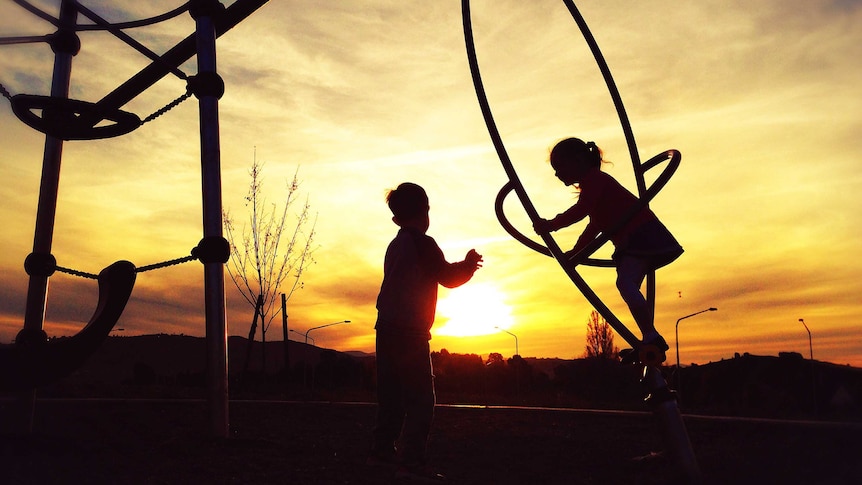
<point x="406" y="305"/>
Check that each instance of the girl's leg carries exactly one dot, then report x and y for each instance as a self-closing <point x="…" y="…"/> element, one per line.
<point x="630" y="276"/>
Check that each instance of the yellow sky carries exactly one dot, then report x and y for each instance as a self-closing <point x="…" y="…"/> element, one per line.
<point x="763" y="101"/>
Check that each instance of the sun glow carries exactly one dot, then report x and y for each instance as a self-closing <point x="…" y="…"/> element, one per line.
<point x="477" y="309"/>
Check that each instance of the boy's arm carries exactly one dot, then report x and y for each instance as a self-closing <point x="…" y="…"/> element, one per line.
<point x="456" y="274"/>
<point x="450" y="275"/>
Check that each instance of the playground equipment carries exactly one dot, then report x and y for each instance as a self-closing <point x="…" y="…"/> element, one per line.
<point x="658" y="394"/>
<point x="33" y="360"/>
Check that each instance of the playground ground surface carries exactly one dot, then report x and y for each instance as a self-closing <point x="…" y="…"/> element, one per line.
<point x="169" y="442"/>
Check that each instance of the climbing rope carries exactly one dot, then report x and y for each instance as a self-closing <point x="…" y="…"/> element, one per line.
<point x="75" y="272"/>
<point x="142" y="269"/>
<point x="173" y="104"/>
<point x="165" y="264"/>
<point x="211" y="249"/>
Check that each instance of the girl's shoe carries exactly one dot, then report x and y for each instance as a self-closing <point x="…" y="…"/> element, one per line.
<point x="646" y="352"/>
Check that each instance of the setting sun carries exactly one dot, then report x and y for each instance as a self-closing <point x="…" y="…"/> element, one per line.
<point x="471" y="310"/>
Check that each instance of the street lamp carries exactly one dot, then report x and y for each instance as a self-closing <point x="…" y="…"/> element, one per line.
<point x="811" y="360"/>
<point x="327" y="325"/>
<point x="512" y="334"/>
<point x="300" y="333"/>
<point x="678" y="369"/>
<point x="517" y="367"/>
<point x="810" y="346"/>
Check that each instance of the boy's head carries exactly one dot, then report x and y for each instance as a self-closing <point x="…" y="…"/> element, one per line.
<point x="409" y="205"/>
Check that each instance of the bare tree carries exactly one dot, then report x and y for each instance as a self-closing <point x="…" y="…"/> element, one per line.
<point x="600" y="338"/>
<point x="272" y="250"/>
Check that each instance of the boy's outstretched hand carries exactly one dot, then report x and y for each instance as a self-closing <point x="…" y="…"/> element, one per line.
<point x="474" y="259"/>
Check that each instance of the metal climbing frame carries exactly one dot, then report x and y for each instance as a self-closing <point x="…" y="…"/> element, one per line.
<point x="659" y="396"/>
<point x="64" y="119"/>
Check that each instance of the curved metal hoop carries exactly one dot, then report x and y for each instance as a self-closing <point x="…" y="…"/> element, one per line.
<point x="582" y="257"/>
<point x="518" y="187"/>
<point x="63" y="118"/>
<point x="612" y="91"/>
<point x="665" y="406"/>
<point x="514" y="185"/>
<point x="524" y="239"/>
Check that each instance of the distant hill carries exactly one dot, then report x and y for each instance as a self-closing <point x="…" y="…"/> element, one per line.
<point x="174" y="366"/>
<point x="546" y="365"/>
<point x="359" y="354"/>
<point x="783" y="386"/>
<point x="175" y="360"/>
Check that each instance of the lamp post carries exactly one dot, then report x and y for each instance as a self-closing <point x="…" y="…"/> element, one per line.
<point x="512" y="334"/>
<point x="810" y="346"/>
<point x="516" y="364"/>
<point x="678" y="368"/>
<point x="811" y="360"/>
<point x="322" y="326"/>
<point x="300" y="333"/>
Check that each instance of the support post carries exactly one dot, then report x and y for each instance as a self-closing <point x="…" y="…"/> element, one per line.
<point x="37" y="291"/>
<point x="666" y="410"/>
<point x="208" y="95"/>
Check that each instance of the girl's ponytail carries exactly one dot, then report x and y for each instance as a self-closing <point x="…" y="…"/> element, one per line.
<point x="595" y="152"/>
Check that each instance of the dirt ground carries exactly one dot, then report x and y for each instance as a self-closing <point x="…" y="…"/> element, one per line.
<point x="164" y="442"/>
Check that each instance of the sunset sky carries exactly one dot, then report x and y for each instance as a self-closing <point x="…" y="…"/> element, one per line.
<point x="763" y="99"/>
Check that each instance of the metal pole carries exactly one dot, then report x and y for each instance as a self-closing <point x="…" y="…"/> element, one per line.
<point x="37" y="290"/>
<point x="666" y="410"/>
<point x="810" y="345"/>
<point x="813" y="375"/>
<point x="214" y="295"/>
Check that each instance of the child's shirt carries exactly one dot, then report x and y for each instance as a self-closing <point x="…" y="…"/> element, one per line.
<point x="606" y="202"/>
<point x="413" y="268"/>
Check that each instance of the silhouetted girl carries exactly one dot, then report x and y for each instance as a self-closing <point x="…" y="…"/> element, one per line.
<point x="643" y="244"/>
